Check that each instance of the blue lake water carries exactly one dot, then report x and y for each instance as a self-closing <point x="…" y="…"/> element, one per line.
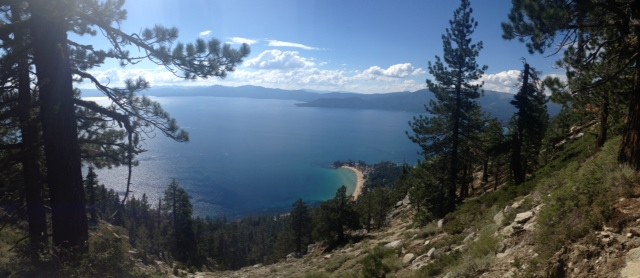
<point x="253" y="156"/>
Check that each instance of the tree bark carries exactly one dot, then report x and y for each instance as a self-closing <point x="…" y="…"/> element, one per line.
<point x="59" y="127"/>
<point x="36" y="214"/>
<point x="630" y="149"/>
<point x="604" y="120"/>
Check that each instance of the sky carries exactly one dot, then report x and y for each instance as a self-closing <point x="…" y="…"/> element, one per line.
<point x="362" y="46"/>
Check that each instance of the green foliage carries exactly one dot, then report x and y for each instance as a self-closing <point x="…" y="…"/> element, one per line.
<point x="301" y="225"/>
<point x="528" y="125"/>
<point x="374" y="265"/>
<point x="178" y="207"/>
<point x="581" y="199"/>
<point x="107" y="257"/>
<point x="373" y="207"/>
<point x="335" y="216"/>
<point x="439" y="264"/>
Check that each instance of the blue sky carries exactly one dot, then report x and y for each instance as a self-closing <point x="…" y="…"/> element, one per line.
<point x="360" y="46"/>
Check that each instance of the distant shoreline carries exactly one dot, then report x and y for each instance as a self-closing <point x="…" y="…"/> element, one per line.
<point x="359" y="181"/>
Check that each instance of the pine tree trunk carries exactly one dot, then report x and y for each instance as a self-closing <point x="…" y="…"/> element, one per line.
<point x="485" y="175"/>
<point x="516" y="160"/>
<point x="455" y="145"/>
<point x="59" y="127"/>
<point x="630" y="149"/>
<point x="36" y="214"/>
<point x="604" y="120"/>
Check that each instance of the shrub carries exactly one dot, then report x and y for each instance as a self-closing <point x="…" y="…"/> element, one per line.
<point x="373" y="265"/>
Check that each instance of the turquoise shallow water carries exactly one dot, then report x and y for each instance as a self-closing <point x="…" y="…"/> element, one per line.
<point x="250" y="156"/>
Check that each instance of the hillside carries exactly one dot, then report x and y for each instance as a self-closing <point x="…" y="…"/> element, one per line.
<point x="578" y="217"/>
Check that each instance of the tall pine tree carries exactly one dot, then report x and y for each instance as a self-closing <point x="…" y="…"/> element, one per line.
<point x="446" y="134"/>
<point x="529" y="125"/>
<point x="59" y="61"/>
<point x="300" y="224"/>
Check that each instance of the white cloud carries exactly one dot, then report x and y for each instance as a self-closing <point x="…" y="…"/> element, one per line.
<point x="285" y="70"/>
<point x="205" y="34"/>
<point x="505" y="81"/>
<point x="276" y="43"/>
<point x="239" y="40"/>
<point x="395" y="71"/>
<point x="277" y="59"/>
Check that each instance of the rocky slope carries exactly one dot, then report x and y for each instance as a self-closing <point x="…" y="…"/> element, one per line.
<point x="610" y="252"/>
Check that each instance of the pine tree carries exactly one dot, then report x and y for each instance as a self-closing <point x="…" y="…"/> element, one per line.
<point x="300" y="224"/>
<point x="529" y="125"/>
<point x="586" y="30"/>
<point x="178" y="206"/>
<point x="90" y="183"/>
<point x="446" y="135"/>
<point x="335" y="217"/>
<point x="59" y="61"/>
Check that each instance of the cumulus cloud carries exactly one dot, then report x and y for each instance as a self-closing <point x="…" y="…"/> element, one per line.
<point x="505" y="81"/>
<point x="240" y="40"/>
<point x="276" y="43"/>
<point x="395" y="71"/>
<point x="205" y="34"/>
<point x="285" y="70"/>
<point x="277" y="59"/>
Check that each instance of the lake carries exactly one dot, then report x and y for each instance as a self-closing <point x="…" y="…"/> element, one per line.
<point x="256" y="156"/>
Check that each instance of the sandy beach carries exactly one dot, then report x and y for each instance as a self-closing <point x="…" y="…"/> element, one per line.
<point x="359" y="182"/>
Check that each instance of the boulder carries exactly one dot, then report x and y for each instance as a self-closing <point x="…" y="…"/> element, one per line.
<point x="523" y="217"/>
<point x="632" y="267"/>
<point x="408" y="258"/>
<point x="517" y="204"/>
<point x="431" y="252"/>
<point x="393" y="244"/>
<point x="440" y="223"/>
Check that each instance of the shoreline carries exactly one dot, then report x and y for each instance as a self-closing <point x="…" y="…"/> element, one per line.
<point x="359" y="181"/>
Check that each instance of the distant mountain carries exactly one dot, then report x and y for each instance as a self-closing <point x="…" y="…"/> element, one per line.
<point x="495" y="103"/>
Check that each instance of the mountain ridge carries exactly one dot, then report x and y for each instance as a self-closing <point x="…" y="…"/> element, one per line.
<point x="496" y="104"/>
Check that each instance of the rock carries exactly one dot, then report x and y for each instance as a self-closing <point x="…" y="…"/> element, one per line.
<point x="431" y="252"/>
<point x="406" y="201"/>
<point x="517" y="204"/>
<point x="408" y="258"/>
<point x="311" y="248"/>
<point x="427" y="242"/>
<point x="393" y="244"/>
<point x="507" y="231"/>
<point x="469" y="237"/>
<point x="291" y="256"/>
<point x="398" y="204"/>
<point x="501" y="255"/>
<point x="328" y="256"/>
<point x="634" y="233"/>
<point x="498" y="218"/>
<point x="523" y="217"/>
<point x="512" y="229"/>
<point x="531" y="226"/>
<point x="440" y="223"/>
<point x="632" y="267"/>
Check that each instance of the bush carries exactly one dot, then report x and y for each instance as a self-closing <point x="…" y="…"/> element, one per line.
<point x="373" y="265"/>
